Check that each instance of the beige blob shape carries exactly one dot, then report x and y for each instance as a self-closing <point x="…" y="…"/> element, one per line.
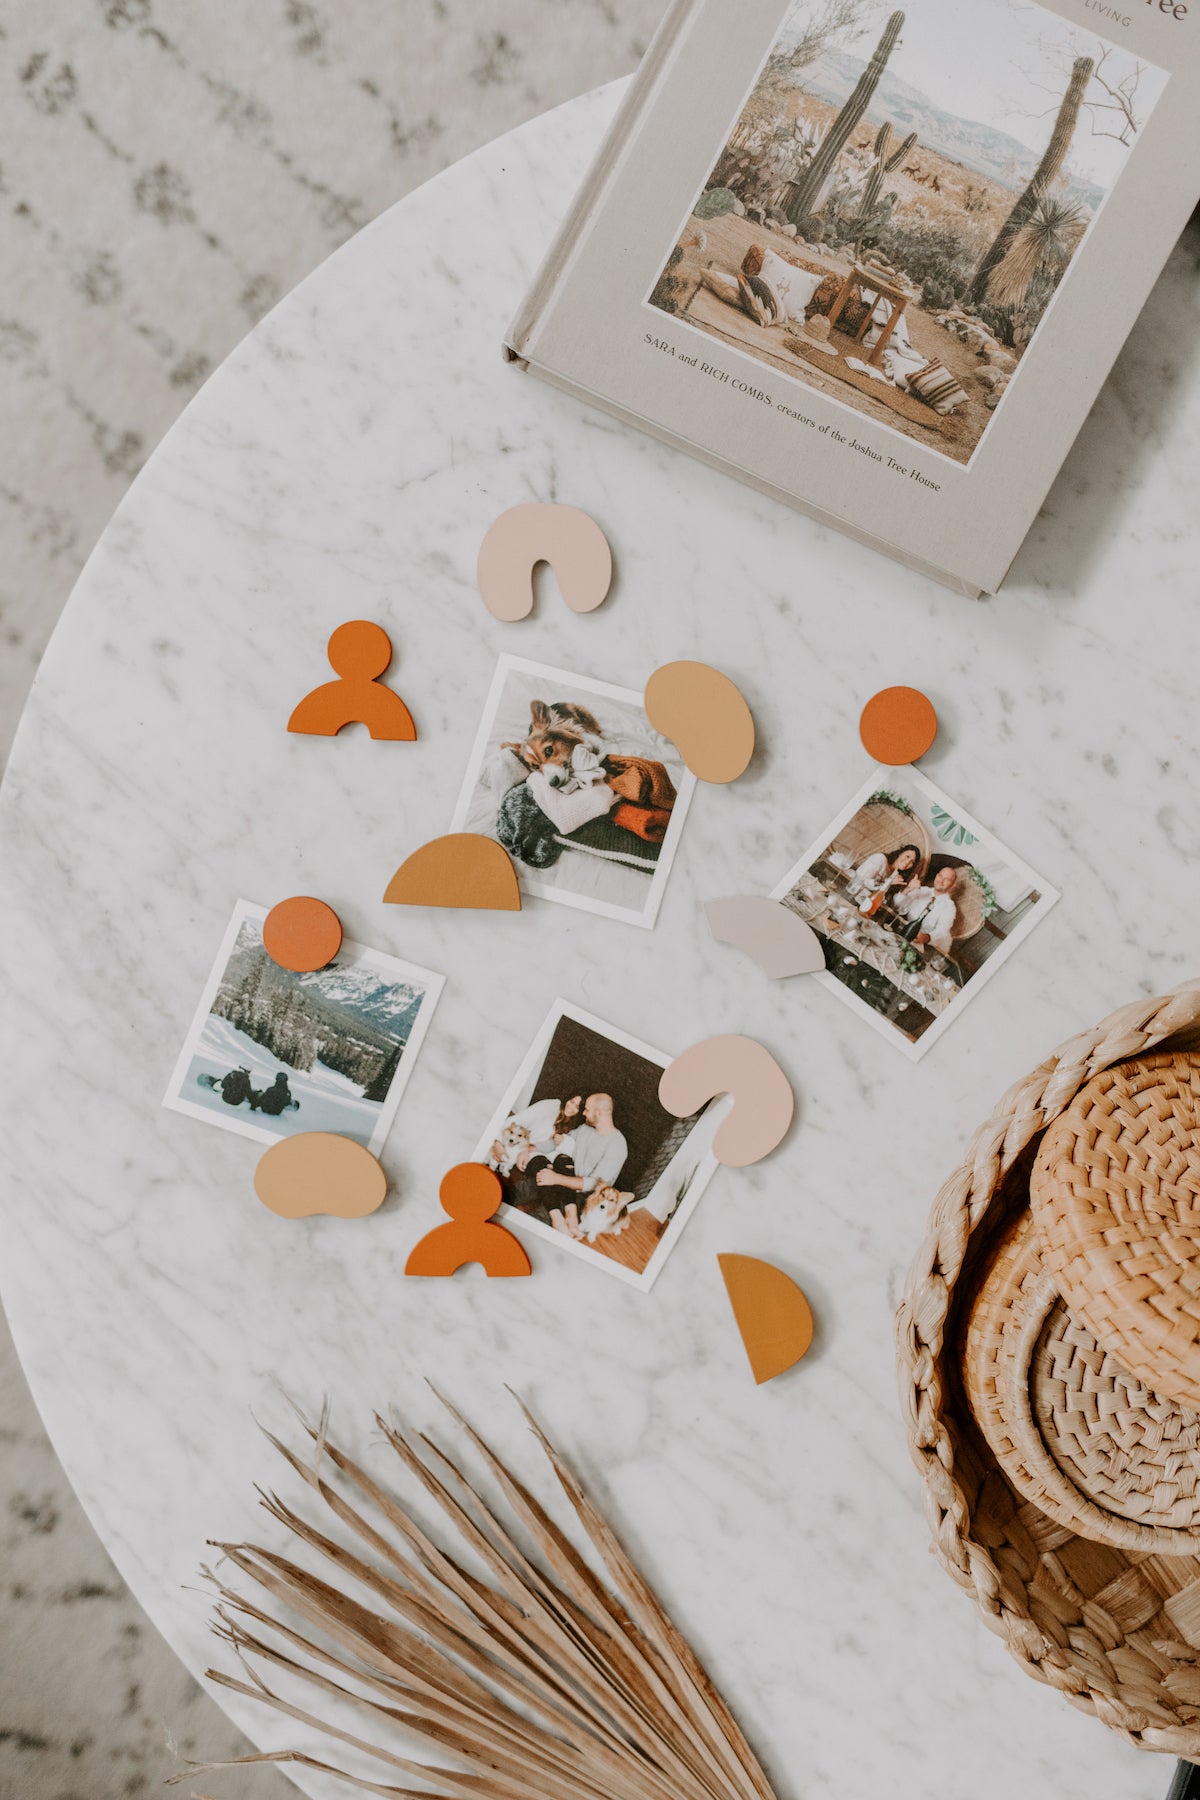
<point x="463" y="869"/>
<point x="779" y="940"/>
<point x="763" y="1102"/>
<point x="319" y="1172"/>
<point x="705" y="716"/>
<point x="772" y="1314"/>
<point x="524" y="536"/>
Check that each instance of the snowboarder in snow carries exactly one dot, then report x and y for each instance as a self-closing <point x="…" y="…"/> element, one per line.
<point x="233" y="1087"/>
<point x="275" y="1099"/>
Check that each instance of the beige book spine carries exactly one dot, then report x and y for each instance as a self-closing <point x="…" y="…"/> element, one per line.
<point x="520" y="340"/>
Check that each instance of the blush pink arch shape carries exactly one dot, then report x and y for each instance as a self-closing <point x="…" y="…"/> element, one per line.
<point x="524" y="536"/>
<point x="763" y="1101"/>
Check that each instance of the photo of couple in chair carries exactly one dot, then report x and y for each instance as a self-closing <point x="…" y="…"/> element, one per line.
<point x="587" y="1156"/>
<point x="919" y="896"/>
<point x="915" y="904"/>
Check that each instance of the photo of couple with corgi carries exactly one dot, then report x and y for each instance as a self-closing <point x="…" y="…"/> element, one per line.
<point x="569" y="776"/>
<point x="587" y="1156"/>
<point x="561" y="1160"/>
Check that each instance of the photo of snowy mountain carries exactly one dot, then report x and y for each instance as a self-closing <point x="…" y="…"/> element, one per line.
<point x="272" y="1053"/>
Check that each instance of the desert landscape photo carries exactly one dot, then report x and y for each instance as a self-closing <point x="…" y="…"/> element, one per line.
<point x="899" y="198"/>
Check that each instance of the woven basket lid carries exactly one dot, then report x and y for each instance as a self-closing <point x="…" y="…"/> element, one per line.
<point x="1115" y="1193"/>
<point x="1075" y="1433"/>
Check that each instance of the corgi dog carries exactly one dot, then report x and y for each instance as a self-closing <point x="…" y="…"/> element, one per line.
<point x="556" y="733"/>
<point x="512" y="1143"/>
<point x="604" y="1215"/>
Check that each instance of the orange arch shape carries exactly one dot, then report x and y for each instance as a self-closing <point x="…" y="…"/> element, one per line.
<point x="470" y="1193"/>
<point x="359" y="652"/>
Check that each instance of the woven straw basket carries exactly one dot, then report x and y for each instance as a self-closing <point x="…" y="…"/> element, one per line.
<point x="1116" y="1200"/>
<point x="1117" y="1630"/>
<point x="1072" y="1430"/>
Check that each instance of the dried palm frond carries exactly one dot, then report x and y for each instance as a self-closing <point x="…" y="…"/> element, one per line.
<point x="558" y="1676"/>
<point x="1044" y="244"/>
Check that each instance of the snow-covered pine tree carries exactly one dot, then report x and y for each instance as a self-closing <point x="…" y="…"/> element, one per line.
<point x="377" y="1088"/>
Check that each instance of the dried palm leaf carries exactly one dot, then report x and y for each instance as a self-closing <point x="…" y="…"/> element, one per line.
<point x="1044" y="244"/>
<point x="554" y="1677"/>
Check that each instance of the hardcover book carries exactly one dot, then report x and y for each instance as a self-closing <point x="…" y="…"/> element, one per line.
<point x="878" y="262"/>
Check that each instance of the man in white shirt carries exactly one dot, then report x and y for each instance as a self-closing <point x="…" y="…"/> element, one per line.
<point x="932" y="908"/>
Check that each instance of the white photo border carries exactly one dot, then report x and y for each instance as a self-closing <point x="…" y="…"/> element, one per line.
<point x="248" y="911"/>
<point x="706" y="1167"/>
<point x="604" y="690"/>
<point x="879" y="778"/>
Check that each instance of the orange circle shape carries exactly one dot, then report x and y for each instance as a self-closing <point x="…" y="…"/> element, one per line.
<point x="302" y="934"/>
<point x="898" y="724"/>
<point x="359" y="650"/>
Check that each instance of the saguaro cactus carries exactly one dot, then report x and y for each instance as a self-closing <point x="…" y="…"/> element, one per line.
<point x="811" y="185"/>
<point x="883" y="165"/>
<point x="1047" y="169"/>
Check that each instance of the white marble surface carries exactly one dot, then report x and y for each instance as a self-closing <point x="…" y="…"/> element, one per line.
<point x="344" y="463"/>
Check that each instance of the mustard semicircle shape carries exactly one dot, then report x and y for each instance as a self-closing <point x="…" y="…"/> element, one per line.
<point x="462" y="869"/>
<point x="772" y="1314"/>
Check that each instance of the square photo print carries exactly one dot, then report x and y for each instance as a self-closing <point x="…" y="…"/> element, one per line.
<point x="588" y="1158"/>
<point x="270" y="1054"/>
<point x="915" y="903"/>
<point x="888" y="219"/>
<point x="588" y="800"/>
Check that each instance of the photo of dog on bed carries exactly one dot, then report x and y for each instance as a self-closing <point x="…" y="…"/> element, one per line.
<point x="587" y="1157"/>
<point x="585" y="796"/>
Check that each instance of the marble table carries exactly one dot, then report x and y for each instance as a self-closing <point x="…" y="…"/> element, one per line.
<point x="345" y="463"/>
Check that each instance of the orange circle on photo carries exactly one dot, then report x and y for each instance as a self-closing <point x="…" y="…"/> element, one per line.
<point x="302" y="934"/>
<point x="898" y="724"/>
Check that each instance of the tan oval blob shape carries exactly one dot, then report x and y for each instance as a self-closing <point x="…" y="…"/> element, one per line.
<point x="462" y="869"/>
<point x="524" y="536"/>
<point x="772" y="1314"/>
<point x="319" y="1172"/>
<point x="763" y="1101"/>
<point x="705" y="716"/>
<point x="779" y="940"/>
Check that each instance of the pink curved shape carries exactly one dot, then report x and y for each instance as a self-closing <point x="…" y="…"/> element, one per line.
<point x="763" y="1101"/>
<point x="563" y="536"/>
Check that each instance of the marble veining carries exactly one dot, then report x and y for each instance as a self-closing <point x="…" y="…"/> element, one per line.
<point x="344" y="463"/>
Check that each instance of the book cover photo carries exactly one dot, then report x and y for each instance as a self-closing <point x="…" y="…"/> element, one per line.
<point x="877" y="260"/>
<point x="892" y="212"/>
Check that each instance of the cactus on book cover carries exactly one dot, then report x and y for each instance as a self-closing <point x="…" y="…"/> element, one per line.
<point x="886" y="159"/>
<point x="1044" y="176"/>
<point x="811" y="186"/>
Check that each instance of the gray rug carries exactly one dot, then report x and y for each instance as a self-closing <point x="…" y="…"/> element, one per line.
<point x="168" y="170"/>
